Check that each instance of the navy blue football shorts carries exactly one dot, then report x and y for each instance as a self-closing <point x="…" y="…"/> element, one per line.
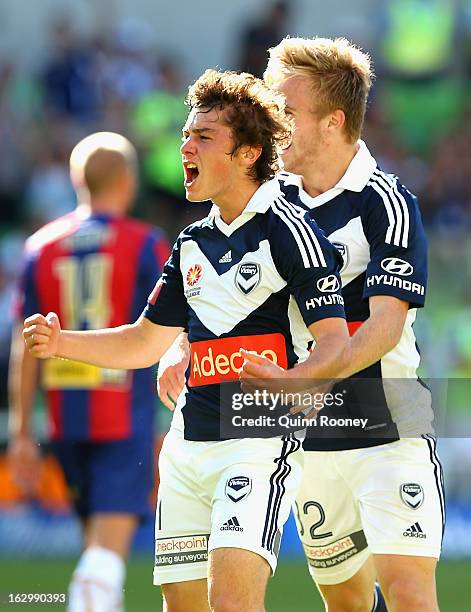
<point x="112" y="476"/>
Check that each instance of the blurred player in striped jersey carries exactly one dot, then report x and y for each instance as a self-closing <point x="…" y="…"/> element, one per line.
<point x="95" y="267"/>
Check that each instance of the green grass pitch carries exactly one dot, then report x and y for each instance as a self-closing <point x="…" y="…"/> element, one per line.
<point x="291" y="584"/>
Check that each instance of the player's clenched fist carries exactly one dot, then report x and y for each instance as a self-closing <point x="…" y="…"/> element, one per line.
<point x="41" y="335"/>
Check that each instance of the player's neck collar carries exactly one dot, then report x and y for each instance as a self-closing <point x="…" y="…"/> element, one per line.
<point x="260" y="202"/>
<point x="359" y="170"/>
<point x="356" y="178"/>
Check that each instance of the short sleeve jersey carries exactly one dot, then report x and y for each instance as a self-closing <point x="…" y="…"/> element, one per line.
<point x="255" y="284"/>
<point x="375" y="222"/>
<point x="94" y="271"/>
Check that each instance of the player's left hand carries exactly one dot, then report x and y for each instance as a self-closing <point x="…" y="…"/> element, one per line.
<point x="259" y="372"/>
<point x="257" y="366"/>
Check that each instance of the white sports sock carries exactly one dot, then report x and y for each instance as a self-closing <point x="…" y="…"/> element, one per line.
<point x="97" y="583"/>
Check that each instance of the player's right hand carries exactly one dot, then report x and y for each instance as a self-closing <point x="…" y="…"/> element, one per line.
<point x="24" y="462"/>
<point x="41" y="335"/>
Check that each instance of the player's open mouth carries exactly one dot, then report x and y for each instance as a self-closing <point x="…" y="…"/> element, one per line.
<point x="191" y="173"/>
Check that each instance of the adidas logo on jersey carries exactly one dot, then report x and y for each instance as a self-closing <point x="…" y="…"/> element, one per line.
<point x="414" y="531"/>
<point x="227" y="258"/>
<point x="232" y="525"/>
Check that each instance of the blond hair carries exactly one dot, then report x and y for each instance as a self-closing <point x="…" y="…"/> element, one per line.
<point x="97" y="160"/>
<point x="341" y="75"/>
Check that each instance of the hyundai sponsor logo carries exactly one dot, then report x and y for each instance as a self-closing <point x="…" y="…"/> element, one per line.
<point x="324" y="300"/>
<point x="328" y="284"/>
<point x="394" y="265"/>
<point x="395" y="281"/>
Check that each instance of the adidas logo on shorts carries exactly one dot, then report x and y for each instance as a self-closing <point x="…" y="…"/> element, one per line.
<point x="232" y="525"/>
<point x="414" y="531"/>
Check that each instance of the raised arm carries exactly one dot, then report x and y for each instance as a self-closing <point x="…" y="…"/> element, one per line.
<point x="138" y="345"/>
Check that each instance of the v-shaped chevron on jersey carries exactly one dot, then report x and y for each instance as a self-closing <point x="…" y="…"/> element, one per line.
<point x="224" y="286"/>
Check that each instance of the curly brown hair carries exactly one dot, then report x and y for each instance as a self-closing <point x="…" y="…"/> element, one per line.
<point x="254" y="113"/>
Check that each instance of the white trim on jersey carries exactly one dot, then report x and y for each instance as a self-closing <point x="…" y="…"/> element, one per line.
<point x="392" y="181"/>
<point x="389" y="211"/>
<point x="222" y="315"/>
<point x="296" y="236"/>
<point x="289" y="178"/>
<point x="300" y="213"/>
<point x="396" y="208"/>
<point x="356" y="177"/>
<point x="303" y="233"/>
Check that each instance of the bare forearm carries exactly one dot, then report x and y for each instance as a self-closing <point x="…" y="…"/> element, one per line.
<point x="123" y="347"/>
<point x="327" y="360"/>
<point x="378" y="335"/>
<point x="369" y="344"/>
<point x="127" y="347"/>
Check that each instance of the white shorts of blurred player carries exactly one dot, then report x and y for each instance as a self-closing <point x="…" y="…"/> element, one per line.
<point x="233" y="493"/>
<point x="385" y="499"/>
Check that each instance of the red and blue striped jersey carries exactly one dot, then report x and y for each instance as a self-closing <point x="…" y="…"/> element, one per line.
<point x="95" y="271"/>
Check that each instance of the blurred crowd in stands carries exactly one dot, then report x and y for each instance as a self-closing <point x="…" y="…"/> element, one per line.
<point x="418" y="125"/>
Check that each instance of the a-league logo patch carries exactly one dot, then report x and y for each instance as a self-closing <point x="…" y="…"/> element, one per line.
<point x="193" y="275"/>
<point x="247" y="277"/>
<point x="192" y="279"/>
<point x="412" y="494"/>
<point x="238" y="487"/>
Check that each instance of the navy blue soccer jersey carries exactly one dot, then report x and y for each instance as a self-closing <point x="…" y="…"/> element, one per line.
<point x="255" y="284"/>
<point x="375" y="223"/>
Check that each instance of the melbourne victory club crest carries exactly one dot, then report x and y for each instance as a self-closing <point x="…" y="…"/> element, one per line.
<point x="238" y="488"/>
<point x="412" y="495"/>
<point x="247" y="277"/>
<point x="343" y="250"/>
<point x="192" y="279"/>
